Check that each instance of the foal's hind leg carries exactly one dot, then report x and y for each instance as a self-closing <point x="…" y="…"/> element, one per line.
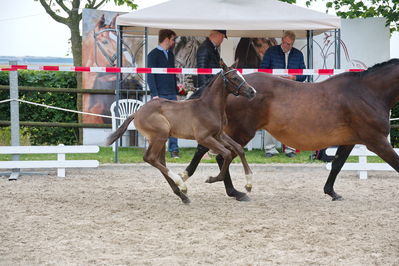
<point x="336" y="166"/>
<point x="152" y="156"/>
<point x="238" y="149"/>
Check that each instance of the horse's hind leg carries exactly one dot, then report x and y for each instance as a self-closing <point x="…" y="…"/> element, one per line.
<point x="152" y="156"/>
<point x="384" y="149"/>
<point x="199" y="153"/>
<point x="238" y="149"/>
<point x="228" y="184"/>
<point x="336" y="166"/>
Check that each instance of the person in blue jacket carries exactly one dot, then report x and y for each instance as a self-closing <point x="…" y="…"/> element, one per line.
<point x="283" y="56"/>
<point x="164" y="85"/>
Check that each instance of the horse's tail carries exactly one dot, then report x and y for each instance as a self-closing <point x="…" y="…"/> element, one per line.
<point x="119" y="132"/>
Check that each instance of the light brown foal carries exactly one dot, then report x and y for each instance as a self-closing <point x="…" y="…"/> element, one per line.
<point x="201" y="119"/>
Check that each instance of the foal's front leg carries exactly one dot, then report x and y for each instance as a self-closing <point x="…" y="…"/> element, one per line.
<point x="211" y="143"/>
<point x="238" y="149"/>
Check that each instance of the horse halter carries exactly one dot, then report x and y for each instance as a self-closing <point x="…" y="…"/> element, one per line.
<point x="236" y="90"/>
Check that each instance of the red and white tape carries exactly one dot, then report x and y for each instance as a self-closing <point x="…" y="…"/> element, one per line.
<point x="193" y="71"/>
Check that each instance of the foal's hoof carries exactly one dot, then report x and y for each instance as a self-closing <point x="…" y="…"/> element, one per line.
<point x="184" y="190"/>
<point x="184" y="176"/>
<point x="186" y="200"/>
<point x="248" y="188"/>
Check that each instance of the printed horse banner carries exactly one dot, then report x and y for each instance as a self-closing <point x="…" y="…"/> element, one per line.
<point x="99" y="49"/>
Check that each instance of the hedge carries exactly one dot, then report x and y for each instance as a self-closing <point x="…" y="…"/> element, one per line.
<point x="28" y="112"/>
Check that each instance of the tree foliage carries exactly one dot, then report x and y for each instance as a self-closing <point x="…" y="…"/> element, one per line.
<point x="388" y="9"/>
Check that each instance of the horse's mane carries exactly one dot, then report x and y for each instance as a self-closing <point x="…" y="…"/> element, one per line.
<point x="376" y="67"/>
<point x="197" y="94"/>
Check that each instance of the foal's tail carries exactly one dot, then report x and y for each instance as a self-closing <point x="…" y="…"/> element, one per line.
<point x="119" y="132"/>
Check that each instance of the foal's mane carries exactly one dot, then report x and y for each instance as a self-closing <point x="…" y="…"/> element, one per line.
<point x="375" y="68"/>
<point x="198" y="93"/>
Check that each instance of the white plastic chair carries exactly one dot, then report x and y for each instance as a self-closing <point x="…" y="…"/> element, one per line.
<point x="126" y="107"/>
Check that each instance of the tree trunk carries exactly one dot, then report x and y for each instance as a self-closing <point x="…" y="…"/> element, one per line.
<point x="76" y="42"/>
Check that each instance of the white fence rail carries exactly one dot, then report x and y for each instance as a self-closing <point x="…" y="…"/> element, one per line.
<point x="362" y="166"/>
<point x="61" y="163"/>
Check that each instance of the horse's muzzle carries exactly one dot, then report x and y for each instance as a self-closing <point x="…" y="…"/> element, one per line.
<point x="251" y="93"/>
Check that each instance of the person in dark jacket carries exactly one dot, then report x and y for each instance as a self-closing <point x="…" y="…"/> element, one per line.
<point x="164" y="85"/>
<point x="283" y="56"/>
<point x="208" y="55"/>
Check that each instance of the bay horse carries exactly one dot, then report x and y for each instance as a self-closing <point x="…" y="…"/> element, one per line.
<point x="344" y="110"/>
<point x="201" y="119"/>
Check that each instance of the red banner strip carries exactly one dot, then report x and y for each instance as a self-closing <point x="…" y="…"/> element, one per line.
<point x="82" y="69"/>
<point x="204" y="70"/>
<point x="174" y="70"/>
<point x="51" y="68"/>
<point x="266" y="70"/>
<point x="295" y="71"/>
<point x="326" y="71"/>
<point x="113" y="69"/>
<point x="145" y="70"/>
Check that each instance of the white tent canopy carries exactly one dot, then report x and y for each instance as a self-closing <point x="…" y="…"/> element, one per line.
<point x="241" y="18"/>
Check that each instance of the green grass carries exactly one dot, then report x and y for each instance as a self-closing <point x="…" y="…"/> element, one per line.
<point x="135" y="155"/>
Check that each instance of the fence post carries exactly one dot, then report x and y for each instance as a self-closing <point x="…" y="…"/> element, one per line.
<point x="14" y="116"/>
<point x="363" y="163"/>
<point x="61" y="158"/>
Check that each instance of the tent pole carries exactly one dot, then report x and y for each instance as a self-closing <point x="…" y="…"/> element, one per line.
<point x="118" y="85"/>
<point x="337" y="39"/>
<point x="309" y="37"/>
<point x="146" y="60"/>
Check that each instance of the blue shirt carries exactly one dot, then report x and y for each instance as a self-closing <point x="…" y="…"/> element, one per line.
<point x="275" y="59"/>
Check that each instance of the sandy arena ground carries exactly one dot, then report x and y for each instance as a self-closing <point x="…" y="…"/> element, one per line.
<point x="128" y="215"/>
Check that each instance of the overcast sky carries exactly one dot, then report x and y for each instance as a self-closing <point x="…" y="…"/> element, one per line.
<point x="27" y="30"/>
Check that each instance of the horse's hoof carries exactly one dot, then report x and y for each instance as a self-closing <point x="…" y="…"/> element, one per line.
<point x="243" y="197"/>
<point x="210" y="180"/>
<point x="248" y="188"/>
<point x="184" y="176"/>
<point x="337" y="198"/>
<point x="334" y="196"/>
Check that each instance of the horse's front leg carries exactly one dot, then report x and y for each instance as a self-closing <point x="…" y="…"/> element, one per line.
<point x="199" y="153"/>
<point x="212" y="143"/>
<point x="238" y="149"/>
<point x="336" y="166"/>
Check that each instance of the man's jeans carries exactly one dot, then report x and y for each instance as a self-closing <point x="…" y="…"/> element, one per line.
<point x="172" y="146"/>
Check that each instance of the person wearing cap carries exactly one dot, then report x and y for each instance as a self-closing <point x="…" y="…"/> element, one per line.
<point x="164" y="86"/>
<point x="208" y="54"/>
<point x="283" y="56"/>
